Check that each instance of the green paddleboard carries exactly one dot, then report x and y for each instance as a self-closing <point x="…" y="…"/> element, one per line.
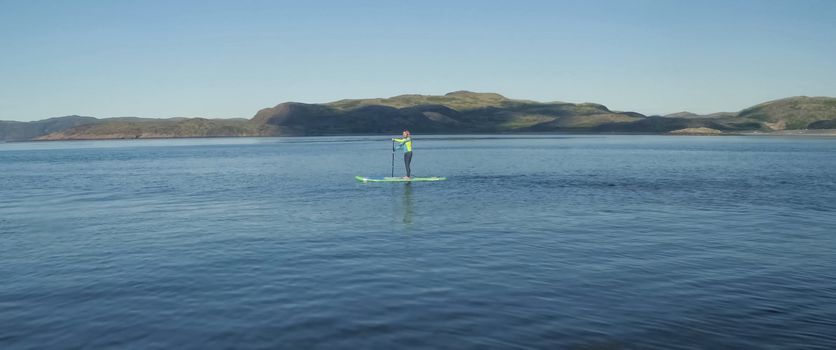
<point x="397" y="179"/>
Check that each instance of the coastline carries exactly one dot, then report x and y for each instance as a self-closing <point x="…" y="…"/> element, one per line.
<point x="801" y="132"/>
<point x="781" y="133"/>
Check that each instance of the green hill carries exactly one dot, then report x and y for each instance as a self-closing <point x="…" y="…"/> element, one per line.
<point x="458" y="100"/>
<point x="460" y="111"/>
<point x="21" y="131"/>
<point x="455" y="112"/>
<point x="134" y="128"/>
<point x="793" y="112"/>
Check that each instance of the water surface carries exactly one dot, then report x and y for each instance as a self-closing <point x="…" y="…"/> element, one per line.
<point x="579" y="242"/>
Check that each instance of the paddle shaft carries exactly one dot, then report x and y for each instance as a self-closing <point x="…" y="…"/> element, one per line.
<point x="393" y="158"/>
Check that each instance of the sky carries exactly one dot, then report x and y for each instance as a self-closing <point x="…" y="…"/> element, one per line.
<point x="220" y="59"/>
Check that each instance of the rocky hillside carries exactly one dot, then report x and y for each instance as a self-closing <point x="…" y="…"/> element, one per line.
<point x="137" y="128"/>
<point x="792" y="113"/>
<point x="456" y="112"/>
<point x="21" y="131"/>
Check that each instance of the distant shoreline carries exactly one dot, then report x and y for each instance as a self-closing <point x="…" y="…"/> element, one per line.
<point x="808" y="132"/>
<point x="458" y="112"/>
<point x="782" y="133"/>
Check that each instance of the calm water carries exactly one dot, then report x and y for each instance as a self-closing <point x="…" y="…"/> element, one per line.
<point x="576" y="242"/>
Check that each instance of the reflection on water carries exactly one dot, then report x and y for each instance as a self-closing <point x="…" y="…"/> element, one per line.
<point x="407" y="203"/>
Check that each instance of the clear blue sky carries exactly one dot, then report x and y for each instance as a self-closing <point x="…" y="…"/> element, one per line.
<point x="230" y="58"/>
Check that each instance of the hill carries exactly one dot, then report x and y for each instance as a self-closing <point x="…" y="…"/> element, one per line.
<point x="465" y="111"/>
<point x="792" y="113"/>
<point x="135" y="128"/>
<point x="21" y="131"/>
<point x="459" y="100"/>
<point x="460" y="111"/>
<point x="694" y="115"/>
<point x="455" y="112"/>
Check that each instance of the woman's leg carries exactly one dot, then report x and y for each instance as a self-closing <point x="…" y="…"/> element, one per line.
<point x="407" y="158"/>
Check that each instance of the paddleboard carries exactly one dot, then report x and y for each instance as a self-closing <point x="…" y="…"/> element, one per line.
<point x="398" y="179"/>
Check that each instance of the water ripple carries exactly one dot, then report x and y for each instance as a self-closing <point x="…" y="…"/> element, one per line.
<point x="534" y="242"/>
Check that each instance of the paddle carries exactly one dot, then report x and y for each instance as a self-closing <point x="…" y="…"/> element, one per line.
<point x="393" y="158"/>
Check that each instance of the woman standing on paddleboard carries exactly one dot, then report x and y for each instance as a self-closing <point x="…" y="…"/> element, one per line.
<point x="406" y="145"/>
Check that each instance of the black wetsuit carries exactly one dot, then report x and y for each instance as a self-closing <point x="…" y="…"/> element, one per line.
<point x="407" y="158"/>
